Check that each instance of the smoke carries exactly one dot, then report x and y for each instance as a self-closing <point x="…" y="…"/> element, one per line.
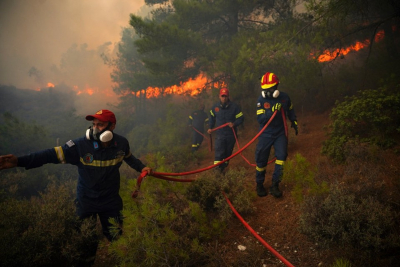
<point x="63" y="42"/>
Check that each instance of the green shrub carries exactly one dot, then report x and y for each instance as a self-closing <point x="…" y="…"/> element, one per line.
<point x="371" y="116"/>
<point x="341" y="263"/>
<point x="300" y="174"/>
<point x="341" y="219"/>
<point x="174" y="224"/>
<point x="44" y="231"/>
<point x="208" y="188"/>
<point x="20" y="183"/>
<point x="162" y="228"/>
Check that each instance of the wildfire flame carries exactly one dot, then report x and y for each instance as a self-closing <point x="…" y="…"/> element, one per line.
<point x="328" y="55"/>
<point x="191" y="87"/>
<point x="87" y="90"/>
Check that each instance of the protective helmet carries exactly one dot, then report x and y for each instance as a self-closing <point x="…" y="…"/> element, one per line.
<point x="269" y="80"/>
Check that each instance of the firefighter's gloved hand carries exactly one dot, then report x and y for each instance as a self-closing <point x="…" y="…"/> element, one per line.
<point x="277" y="107"/>
<point x="294" y="126"/>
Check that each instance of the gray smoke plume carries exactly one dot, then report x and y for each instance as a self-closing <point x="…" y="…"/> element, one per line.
<point x="46" y="43"/>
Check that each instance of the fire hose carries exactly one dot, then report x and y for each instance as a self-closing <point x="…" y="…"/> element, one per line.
<point x="259" y="238"/>
<point x="279" y="256"/>
<point x="228" y="158"/>
<point x="162" y="176"/>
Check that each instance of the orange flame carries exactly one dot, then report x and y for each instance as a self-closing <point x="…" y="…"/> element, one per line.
<point x="87" y="90"/>
<point x="328" y="55"/>
<point x="50" y="85"/>
<point x="191" y="87"/>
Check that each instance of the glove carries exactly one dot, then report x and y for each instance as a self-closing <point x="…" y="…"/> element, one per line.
<point x="277" y="107"/>
<point x="294" y="126"/>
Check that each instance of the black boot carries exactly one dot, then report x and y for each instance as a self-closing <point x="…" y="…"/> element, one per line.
<point x="274" y="190"/>
<point x="261" y="192"/>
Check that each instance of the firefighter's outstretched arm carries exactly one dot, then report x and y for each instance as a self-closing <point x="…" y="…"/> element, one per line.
<point x="8" y="161"/>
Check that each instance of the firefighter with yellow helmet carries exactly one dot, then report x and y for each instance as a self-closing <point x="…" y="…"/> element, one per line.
<point x="270" y="101"/>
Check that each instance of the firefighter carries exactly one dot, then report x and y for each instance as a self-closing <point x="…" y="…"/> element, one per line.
<point x="224" y="112"/>
<point x="197" y="120"/>
<point x="98" y="156"/>
<point x="272" y="100"/>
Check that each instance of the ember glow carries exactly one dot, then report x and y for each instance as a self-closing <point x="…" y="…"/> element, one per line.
<point x="50" y="85"/>
<point x="328" y="55"/>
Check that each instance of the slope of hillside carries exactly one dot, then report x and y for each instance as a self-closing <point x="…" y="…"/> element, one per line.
<point x="275" y="220"/>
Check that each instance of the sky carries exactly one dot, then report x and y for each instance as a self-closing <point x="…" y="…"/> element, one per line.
<point x="50" y="42"/>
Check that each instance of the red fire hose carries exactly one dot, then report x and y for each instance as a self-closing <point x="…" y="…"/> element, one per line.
<point x="161" y="176"/>
<point x="279" y="256"/>
<point x="228" y="158"/>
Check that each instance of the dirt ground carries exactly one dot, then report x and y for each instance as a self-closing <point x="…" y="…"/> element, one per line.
<point x="275" y="220"/>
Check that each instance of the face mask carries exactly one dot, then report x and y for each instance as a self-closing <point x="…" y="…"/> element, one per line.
<point x="269" y="93"/>
<point x="103" y="136"/>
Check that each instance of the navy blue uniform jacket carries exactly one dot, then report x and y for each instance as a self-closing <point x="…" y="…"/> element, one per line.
<point x="98" y="168"/>
<point x="221" y="114"/>
<point x="197" y="120"/>
<point x="264" y="113"/>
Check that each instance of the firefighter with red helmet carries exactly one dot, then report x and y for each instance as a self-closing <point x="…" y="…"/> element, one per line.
<point x="270" y="101"/>
<point x="221" y="113"/>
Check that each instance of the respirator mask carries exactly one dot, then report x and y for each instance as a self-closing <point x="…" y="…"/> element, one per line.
<point x="271" y="92"/>
<point x="103" y="136"/>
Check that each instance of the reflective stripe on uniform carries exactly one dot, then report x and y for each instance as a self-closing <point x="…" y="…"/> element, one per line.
<point x="279" y="162"/>
<point x="260" y="111"/>
<point x="260" y="169"/>
<point x="239" y="115"/>
<point x="217" y="161"/>
<point x="291" y="106"/>
<point x="190" y="117"/>
<point x="60" y="154"/>
<point x="102" y="163"/>
<point x="212" y="114"/>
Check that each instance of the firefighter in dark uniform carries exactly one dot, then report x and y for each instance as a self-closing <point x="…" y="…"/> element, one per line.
<point x="197" y="120"/>
<point x="272" y="100"/>
<point x="224" y="112"/>
<point x="98" y="156"/>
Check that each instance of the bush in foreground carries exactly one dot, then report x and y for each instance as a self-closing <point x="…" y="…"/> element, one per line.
<point x="363" y="225"/>
<point x="44" y="231"/>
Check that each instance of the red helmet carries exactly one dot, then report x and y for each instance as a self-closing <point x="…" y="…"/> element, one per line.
<point x="269" y="80"/>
